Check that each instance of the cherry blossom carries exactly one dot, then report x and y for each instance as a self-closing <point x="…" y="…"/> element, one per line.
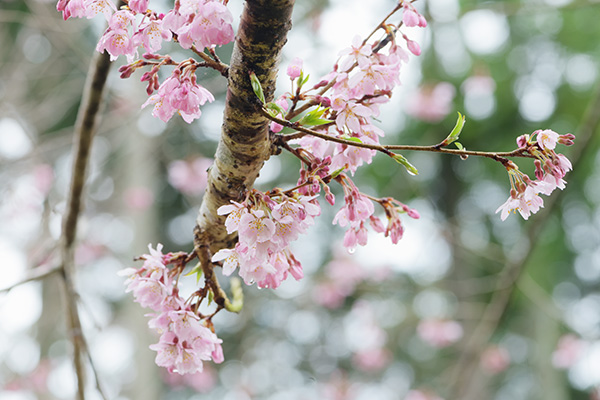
<point x="295" y="68"/>
<point x="495" y="359"/>
<point x="179" y="93"/>
<point x="358" y="53"/>
<point x="546" y="138"/>
<point x="151" y="35"/>
<point x="439" y="333"/>
<point x="266" y="225"/>
<point x="568" y="351"/>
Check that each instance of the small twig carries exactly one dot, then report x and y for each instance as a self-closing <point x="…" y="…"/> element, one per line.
<point x="399" y="6"/>
<point x="34" y="274"/>
<point x="215" y="63"/>
<point x="386" y="149"/>
<point x="202" y="249"/>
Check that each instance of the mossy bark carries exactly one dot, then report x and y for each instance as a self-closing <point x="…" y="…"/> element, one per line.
<point x="244" y="144"/>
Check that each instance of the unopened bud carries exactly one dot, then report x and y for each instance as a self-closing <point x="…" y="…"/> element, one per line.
<point x="321" y="84"/>
<point x="539" y="172"/>
<point x="567" y="140"/>
<point x="522" y="141"/>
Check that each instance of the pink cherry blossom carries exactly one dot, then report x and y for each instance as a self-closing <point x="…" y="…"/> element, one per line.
<point x="568" y="351"/>
<point x="349" y="114"/>
<point x="357" y="53"/>
<point x="547" y="139"/>
<point x="495" y="359"/>
<point x="255" y="227"/>
<point x="85" y="8"/>
<point x="432" y="103"/>
<point x="179" y="93"/>
<point x="235" y="212"/>
<point x="210" y="25"/>
<point x="151" y="35"/>
<point x="411" y="16"/>
<point x="139" y="6"/>
<point x="189" y="177"/>
<point x="117" y="40"/>
<point x="413" y="46"/>
<point x="295" y="68"/>
<point x="281" y="102"/>
<point x="439" y="333"/>
<point x="230" y="260"/>
<point x="527" y="203"/>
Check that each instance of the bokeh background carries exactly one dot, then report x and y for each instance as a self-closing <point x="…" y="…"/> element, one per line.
<point x="386" y="322"/>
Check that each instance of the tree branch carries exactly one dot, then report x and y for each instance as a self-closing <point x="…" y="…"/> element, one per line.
<point x="34" y="274"/>
<point x="386" y="149"/>
<point x="84" y="131"/>
<point x="244" y="144"/>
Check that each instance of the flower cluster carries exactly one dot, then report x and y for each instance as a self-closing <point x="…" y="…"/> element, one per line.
<point x="200" y="23"/>
<point x="185" y="339"/>
<point x="550" y="169"/>
<point x="358" y="209"/>
<point x="194" y="23"/>
<point x="266" y="224"/>
<point x="439" y="333"/>
<point x="360" y="82"/>
<point x="179" y="93"/>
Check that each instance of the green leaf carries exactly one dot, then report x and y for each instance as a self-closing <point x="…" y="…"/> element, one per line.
<point x="275" y="107"/>
<point x="196" y="270"/>
<point x="335" y="173"/>
<point x="211" y="296"/>
<point x="351" y="139"/>
<point x="313" y="117"/>
<point x="302" y="79"/>
<point x="453" y="136"/>
<point x="400" y="159"/>
<point x="459" y="145"/>
<point x="256" y="86"/>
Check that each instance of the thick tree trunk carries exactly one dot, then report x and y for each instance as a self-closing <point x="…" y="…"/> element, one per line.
<point x="244" y="144"/>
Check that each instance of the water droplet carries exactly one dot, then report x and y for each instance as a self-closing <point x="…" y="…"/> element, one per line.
<point x="352" y="250"/>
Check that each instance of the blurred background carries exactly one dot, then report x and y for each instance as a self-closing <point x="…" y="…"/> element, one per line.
<point x="386" y="322"/>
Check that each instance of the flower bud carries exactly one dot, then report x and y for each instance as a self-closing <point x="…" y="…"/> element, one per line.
<point x="523" y="141"/>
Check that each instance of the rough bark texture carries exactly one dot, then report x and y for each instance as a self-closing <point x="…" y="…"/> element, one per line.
<point x="244" y="144"/>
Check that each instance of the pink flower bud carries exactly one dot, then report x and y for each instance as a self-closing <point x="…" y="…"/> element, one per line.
<point x="321" y="84"/>
<point x="295" y="68"/>
<point x="567" y="140"/>
<point x="522" y="141"/>
<point x="539" y="172"/>
<point x="410" y="18"/>
<point x="413" y="46"/>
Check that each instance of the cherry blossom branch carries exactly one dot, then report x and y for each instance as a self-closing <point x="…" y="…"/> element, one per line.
<point x="244" y="143"/>
<point x="378" y="46"/>
<point x="501" y="157"/>
<point x="382" y="23"/>
<point x="202" y="249"/>
<point x="462" y="378"/>
<point x="84" y="131"/>
<point x="213" y="63"/>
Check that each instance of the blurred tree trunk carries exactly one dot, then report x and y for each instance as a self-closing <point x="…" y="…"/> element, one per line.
<point x="141" y="171"/>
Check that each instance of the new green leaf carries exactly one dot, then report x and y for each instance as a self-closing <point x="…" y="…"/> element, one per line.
<point x="400" y="159"/>
<point x="256" y="86"/>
